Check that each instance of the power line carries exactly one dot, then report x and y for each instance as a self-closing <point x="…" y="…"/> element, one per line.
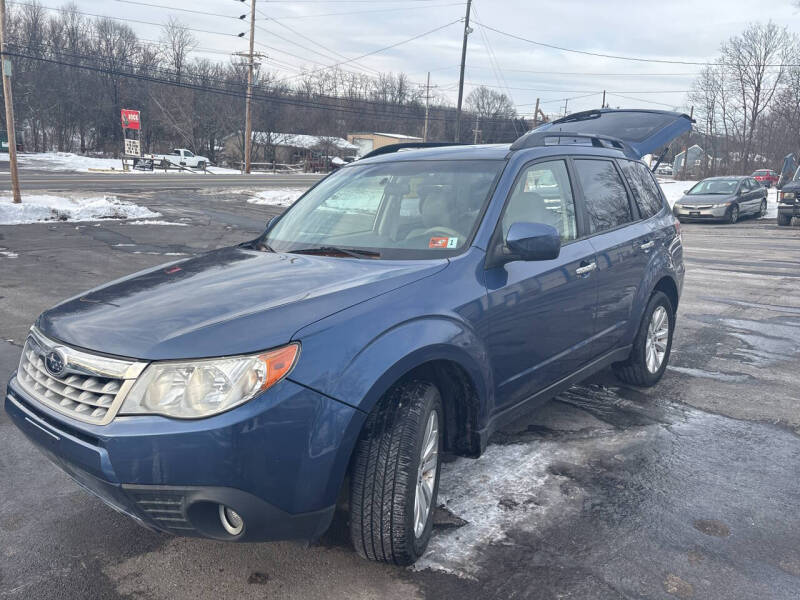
<point x="395" y="45"/>
<point x="612" y="56"/>
<point x="642" y="100"/>
<point x="579" y="91"/>
<point x="85" y="14"/>
<point x="175" y="8"/>
<point x="362" y="12"/>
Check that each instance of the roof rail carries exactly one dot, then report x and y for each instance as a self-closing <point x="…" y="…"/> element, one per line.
<point x="548" y="137"/>
<point x="391" y="148"/>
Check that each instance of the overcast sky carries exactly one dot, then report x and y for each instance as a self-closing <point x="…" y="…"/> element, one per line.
<point x="687" y="30"/>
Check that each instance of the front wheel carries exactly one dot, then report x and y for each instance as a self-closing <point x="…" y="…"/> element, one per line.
<point x="652" y="345"/>
<point x="784" y="220"/>
<point x="763" y="210"/>
<point x="395" y="475"/>
<point x="733" y="214"/>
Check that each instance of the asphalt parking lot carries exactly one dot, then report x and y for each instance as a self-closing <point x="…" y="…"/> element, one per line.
<point x="686" y="490"/>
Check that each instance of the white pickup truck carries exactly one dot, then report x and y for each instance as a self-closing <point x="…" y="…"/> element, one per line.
<point x="180" y="157"/>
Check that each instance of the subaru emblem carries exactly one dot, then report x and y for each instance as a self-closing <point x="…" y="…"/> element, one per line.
<point x="55" y="362"/>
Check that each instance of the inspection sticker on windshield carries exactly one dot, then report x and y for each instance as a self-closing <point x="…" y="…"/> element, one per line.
<point x="443" y="242"/>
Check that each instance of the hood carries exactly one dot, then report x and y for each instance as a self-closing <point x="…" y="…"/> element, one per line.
<point x="701" y="199"/>
<point x="644" y="131"/>
<point x="225" y="302"/>
<point x="791" y="186"/>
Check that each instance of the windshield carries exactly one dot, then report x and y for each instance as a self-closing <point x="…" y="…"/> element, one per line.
<point x="796" y="175"/>
<point x="414" y="209"/>
<point x="724" y="187"/>
<point x="760" y="173"/>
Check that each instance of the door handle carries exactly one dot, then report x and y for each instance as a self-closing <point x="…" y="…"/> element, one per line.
<point x="647" y="245"/>
<point x="587" y="269"/>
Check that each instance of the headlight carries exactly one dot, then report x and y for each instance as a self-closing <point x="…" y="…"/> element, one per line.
<point x="205" y="387"/>
<point x="788" y="195"/>
<point x="677" y="205"/>
<point x="720" y="205"/>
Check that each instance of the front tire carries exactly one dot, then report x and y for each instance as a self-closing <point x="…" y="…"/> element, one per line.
<point x="652" y="345"/>
<point x="784" y="220"/>
<point x="763" y="211"/>
<point x="395" y="475"/>
<point x="733" y="215"/>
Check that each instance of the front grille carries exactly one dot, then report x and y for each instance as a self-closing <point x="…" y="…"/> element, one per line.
<point x="91" y="387"/>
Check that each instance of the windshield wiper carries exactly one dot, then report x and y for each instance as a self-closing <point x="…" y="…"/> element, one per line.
<point x="354" y="252"/>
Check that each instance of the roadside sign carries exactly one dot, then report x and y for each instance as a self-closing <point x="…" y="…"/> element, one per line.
<point x="133" y="148"/>
<point x="130" y="119"/>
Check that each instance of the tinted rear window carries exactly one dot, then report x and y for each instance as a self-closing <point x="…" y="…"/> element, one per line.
<point x="604" y="193"/>
<point x="645" y="189"/>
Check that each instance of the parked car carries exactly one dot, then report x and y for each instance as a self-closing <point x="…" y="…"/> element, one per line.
<point x="406" y="306"/>
<point x="766" y="177"/>
<point x="789" y="200"/>
<point x="664" y="169"/>
<point x="722" y="199"/>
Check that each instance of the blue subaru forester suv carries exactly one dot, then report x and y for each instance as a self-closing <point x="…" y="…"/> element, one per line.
<point x="404" y="307"/>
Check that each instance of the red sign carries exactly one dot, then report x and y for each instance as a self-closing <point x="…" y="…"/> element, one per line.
<point x="130" y="119"/>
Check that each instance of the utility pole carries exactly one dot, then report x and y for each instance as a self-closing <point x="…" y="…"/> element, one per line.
<point x="467" y="31"/>
<point x="248" y="126"/>
<point x="685" y="148"/>
<point x="427" y="107"/>
<point x="603" y="105"/>
<point x="10" y="130"/>
<point x="476" y="132"/>
<point x="536" y="115"/>
<point x="566" y="100"/>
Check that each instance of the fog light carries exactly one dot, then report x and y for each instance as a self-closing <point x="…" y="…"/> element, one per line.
<point x="231" y="521"/>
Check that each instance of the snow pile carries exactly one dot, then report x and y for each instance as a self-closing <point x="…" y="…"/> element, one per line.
<point x="673" y="190"/>
<point x="37" y="208"/>
<point x="151" y="222"/>
<point x="67" y="161"/>
<point x="276" y="197"/>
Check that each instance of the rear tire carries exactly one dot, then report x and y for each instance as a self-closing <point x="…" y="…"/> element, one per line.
<point x="638" y="369"/>
<point x="763" y="211"/>
<point x="387" y="480"/>
<point x="784" y="220"/>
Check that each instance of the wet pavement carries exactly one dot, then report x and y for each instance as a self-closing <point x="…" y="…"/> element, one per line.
<point x="686" y="490"/>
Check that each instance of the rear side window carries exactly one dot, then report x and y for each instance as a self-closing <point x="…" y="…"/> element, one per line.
<point x="644" y="188"/>
<point x="605" y="197"/>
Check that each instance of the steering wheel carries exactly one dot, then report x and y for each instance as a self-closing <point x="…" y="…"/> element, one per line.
<point x="447" y="230"/>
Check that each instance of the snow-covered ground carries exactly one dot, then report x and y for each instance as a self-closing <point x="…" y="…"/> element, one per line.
<point x="69" y="162"/>
<point x="276" y="197"/>
<point x="37" y="208"/>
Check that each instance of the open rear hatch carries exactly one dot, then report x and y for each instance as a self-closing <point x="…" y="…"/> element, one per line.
<point x="642" y="131"/>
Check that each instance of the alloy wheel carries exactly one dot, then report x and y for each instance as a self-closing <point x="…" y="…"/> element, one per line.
<point x="734" y="214"/>
<point x="657" y="338"/>
<point x="426" y="474"/>
<point x="763" y="208"/>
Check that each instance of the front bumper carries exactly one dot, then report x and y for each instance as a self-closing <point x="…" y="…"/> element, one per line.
<point x="789" y="210"/>
<point x="278" y="460"/>
<point x="689" y="213"/>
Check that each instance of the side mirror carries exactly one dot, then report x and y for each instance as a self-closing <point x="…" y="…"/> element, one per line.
<point x="685" y="191"/>
<point x="532" y="241"/>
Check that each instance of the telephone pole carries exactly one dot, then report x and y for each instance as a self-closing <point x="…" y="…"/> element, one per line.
<point x="427" y="107"/>
<point x="10" y="130"/>
<point x="467" y="31"/>
<point x="248" y="126"/>
<point x="536" y="115"/>
<point x="476" y="132"/>
<point x="686" y="147"/>
<point x="603" y="105"/>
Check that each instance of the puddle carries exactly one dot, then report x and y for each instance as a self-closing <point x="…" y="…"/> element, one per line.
<point x="765" y="342"/>
<point x="725" y="377"/>
<point x="793" y="310"/>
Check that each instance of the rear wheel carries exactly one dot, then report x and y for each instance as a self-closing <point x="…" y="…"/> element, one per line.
<point x="733" y="214"/>
<point x="763" y="211"/>
<point x="652" y="345"/>
<point x="395" y="475"/>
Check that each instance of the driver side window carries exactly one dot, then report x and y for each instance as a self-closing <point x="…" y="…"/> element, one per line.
<point x="542" y="194"/>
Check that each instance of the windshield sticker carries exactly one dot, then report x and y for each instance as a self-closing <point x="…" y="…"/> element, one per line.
<point x="443" y="242"/>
